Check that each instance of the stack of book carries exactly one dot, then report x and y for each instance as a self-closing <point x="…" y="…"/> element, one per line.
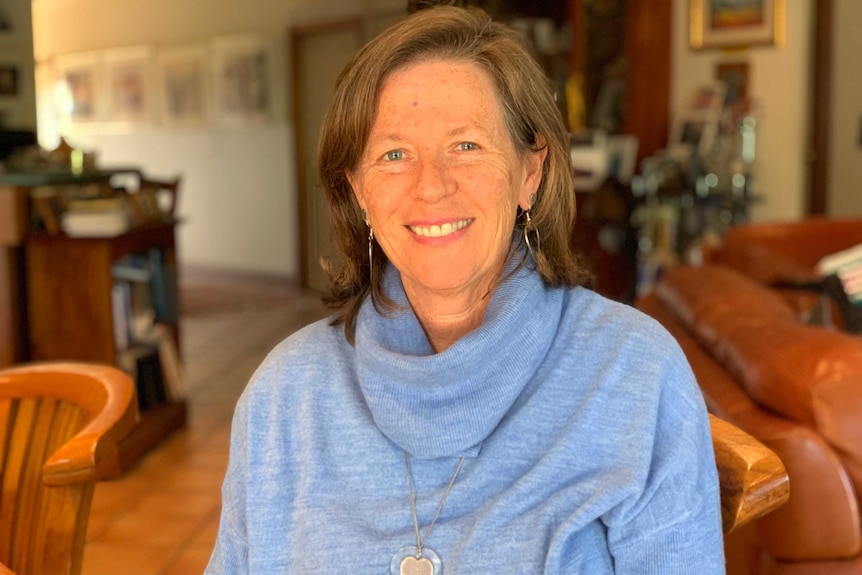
<point x="104" y="217"/>
<point x="144" y="305"/>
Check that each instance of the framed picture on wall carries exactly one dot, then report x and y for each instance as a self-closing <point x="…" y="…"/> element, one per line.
<point x="734" y="75"/>
<point x="12" y="20"/>
<point x="79" y="98"/>
<point x="736" y="23"/>
<point x="8" y="80"/>
<point x="242" y="74"/>
<point x="128" y="85"/>
<point x="182" y="86"/>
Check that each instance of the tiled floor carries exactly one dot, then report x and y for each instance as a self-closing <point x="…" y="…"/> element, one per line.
<point x="161" y="517"/>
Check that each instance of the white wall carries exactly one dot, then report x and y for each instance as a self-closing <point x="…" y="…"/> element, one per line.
<point x="18" y="112"/>
<point x="238" y="198"/>
<point x="779" y="81"/>
<point x="845" y="166"/>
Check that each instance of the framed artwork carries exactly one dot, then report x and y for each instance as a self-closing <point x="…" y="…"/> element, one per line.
<point x="734" y="75"/>
<point x="128" y="82"/>
<point x="8" y="80"/>
<point x="12" y="19"/>
<point x="79" y="94"/>
<point x="182" y="86"/>
<point x="736" y="23"/>
<point x="242" y="74"/>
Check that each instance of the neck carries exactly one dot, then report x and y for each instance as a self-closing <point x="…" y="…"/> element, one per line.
<point x="445" y="318"/>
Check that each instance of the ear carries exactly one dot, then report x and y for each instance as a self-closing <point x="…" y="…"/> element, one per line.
<point x="357" y="189"/>
<point x="533" y="164"/>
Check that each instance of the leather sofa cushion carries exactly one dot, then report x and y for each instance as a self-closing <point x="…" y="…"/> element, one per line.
<point x="770" y="252"/>
<point x="808" y="374"/>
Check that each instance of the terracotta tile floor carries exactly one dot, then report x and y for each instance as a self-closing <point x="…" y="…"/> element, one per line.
<point x="161" y="517"/>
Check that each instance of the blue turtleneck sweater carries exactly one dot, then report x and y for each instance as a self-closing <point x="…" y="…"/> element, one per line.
<point x="586" y="444"/>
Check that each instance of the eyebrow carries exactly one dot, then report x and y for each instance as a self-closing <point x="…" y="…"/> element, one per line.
<point x="396" y="137"/>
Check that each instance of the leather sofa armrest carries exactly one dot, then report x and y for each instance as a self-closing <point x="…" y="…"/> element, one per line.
<point x="821" y="520"/>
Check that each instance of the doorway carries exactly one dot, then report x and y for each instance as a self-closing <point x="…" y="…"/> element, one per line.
<point x="319" y="53"/>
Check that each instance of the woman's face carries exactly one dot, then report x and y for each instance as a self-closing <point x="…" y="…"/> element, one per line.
<point x="441" y="180"/>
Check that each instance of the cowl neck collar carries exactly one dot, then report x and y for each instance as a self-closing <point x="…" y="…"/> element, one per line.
<point x="445" y="404"/>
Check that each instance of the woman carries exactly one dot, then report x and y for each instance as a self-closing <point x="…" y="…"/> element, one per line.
<point x="469" y="407"/>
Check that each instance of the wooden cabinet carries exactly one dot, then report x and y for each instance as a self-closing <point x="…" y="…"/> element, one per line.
<point x="56" y="293"/>
<point x="71" y="315"/>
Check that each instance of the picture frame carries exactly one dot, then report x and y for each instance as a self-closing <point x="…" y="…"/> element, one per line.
<point x="12" y="22"/>
<point x="182" y="81"/>
<point x="735" y="76"/>
<point x="79" y="98"/>
<point x="697" y="126"/>
<point x="736" y="23"/>
<point x="243" y="80"/>
<point x="9" y="80"/>
<point x="128" y="85"/>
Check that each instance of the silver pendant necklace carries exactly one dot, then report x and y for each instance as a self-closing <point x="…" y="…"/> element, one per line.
<point x="418" y="559"/>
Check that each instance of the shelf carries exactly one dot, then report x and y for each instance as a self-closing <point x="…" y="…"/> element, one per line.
<point x="152" y="427"/>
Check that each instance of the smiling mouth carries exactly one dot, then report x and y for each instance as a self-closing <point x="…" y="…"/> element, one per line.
<point x="441" y="230"/>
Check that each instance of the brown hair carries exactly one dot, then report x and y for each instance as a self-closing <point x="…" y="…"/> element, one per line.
<point x="529" y="111"/>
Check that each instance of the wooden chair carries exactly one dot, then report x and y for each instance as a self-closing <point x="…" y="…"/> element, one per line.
<point x="156" y="199"/>
<point x="59" y="428"/>
<point x="752" y="478"/>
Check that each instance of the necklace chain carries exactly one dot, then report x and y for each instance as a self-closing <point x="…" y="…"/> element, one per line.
<point x="420" y="542"/>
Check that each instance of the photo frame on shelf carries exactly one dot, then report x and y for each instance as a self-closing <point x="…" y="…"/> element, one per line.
<point x="736" y="23"/>
<point x="79" y="98"/>
<point x="128" y="85"/>
<point x="697" y="126"/>
<point x="243" y="80"/>
<point x="182" y="81"/>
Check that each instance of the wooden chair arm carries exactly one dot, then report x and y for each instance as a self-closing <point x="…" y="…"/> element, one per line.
<point x="5" y="570"/>
<point x="91" y="454"/>
<point x="753" y="480"/>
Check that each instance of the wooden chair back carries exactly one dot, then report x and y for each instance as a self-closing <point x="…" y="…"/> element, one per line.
<point x="157" y="199"/>
<point x="59" y="428"/>
<point x="751" y="477"/>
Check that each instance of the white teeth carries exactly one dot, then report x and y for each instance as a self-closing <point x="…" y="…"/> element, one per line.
<point x="439" y="231"/>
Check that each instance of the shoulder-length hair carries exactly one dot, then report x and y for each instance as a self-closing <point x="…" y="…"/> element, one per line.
<point x="530" y="114"/>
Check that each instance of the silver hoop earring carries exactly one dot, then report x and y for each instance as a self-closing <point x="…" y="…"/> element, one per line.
<point x="370" y="249"/>
<point x="528" y="227"/>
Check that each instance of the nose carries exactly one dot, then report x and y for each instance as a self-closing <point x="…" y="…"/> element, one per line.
<point x="434" y="180"/>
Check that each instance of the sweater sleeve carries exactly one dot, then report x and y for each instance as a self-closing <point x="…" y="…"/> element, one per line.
<point x="230" y="554"/>
<point x="673" y="524"/>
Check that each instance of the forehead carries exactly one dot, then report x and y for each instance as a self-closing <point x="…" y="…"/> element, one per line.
<point x="456" y="85"/>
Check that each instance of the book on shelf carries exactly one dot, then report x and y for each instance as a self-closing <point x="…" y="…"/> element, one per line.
<point x="153" y="363"/>
<point x="121" y="313"/>
<point x="141" y="362"/>
<point x="94" y="224"/>
<point x="134" y="312"/>
<point x="169" y="357"/>
<point x="164" y="281"/>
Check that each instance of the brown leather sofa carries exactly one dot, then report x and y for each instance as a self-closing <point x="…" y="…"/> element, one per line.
<point x="796" y="387"/>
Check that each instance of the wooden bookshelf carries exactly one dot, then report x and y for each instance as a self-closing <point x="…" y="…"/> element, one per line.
<point x="71" y="316"/>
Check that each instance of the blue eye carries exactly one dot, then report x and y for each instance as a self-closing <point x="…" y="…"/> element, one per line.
<point x="394" y="155"/>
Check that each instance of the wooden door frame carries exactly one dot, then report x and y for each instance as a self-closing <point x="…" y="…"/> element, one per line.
<point x="821" y="108"/>
<point x="297" y="33"/>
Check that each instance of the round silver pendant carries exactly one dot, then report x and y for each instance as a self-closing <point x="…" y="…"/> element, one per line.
<point x="408" y="561"/>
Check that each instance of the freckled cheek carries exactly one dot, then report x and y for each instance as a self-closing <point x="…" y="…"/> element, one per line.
<point x="383" y="196"/>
